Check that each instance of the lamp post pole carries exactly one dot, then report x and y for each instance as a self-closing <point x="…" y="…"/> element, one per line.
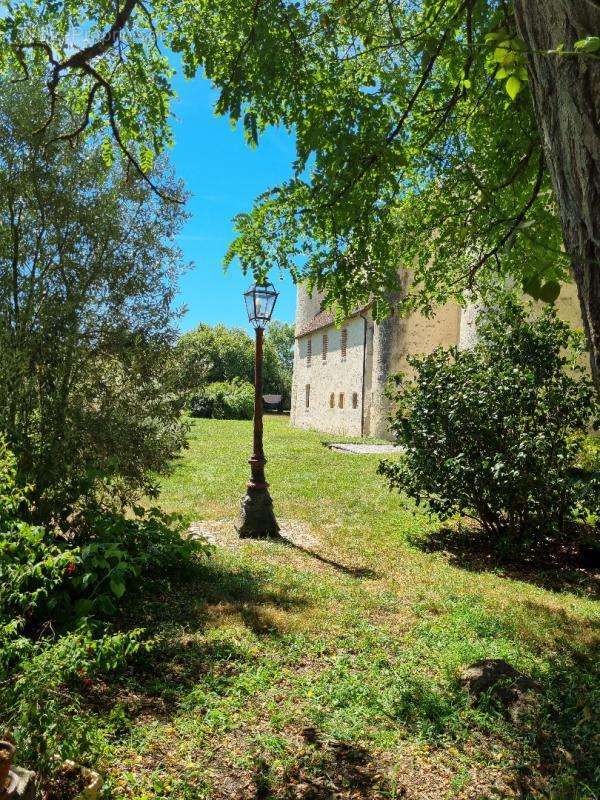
<point x="258" y="460"/>
<point x="258" y="519"/>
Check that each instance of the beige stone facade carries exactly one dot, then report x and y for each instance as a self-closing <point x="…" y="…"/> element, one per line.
<point x="340" y="373"/>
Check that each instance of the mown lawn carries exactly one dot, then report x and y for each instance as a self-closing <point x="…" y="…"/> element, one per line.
<point x="329" y="670"/>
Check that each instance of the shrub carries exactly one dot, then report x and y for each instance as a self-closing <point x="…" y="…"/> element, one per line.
<point x="88" y="392"/>
<point x="40" y="692"/>
<point x="202" y="406"/>
<point x="494" y="432"/>
<point x="224" y="400"/>
<point x="116" y="553"/>
<point x="212" y="354"/>
<point x="56" y="593"/>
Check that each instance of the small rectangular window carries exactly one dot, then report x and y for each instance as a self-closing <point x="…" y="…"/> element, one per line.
<point x="332" y="400"/>
<point x="307" y="395"/>
<point x="344" y="343"/>
<point x="341" y="400"/>
<point x="354" y="399"/>
<point x="325" y="346"/>
<point x="309" y="352"/>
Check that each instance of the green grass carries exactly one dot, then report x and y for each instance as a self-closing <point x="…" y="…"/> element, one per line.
<point x="357" y="637"/>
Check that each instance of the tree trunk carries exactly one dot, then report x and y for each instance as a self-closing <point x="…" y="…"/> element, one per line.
<point x="566" y="96"/>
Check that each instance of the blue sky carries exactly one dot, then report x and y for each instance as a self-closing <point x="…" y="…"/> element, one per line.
<point x="224" y="176"/>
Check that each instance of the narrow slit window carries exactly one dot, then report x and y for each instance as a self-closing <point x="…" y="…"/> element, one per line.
<point x="341" y="400"/>
<point x="307" y="395"/>
<point x="344" y="343"/>
<point x="309" y="353"/>
<point x="325" y="346"/>
<point x="332" y="400"/>
<point x="354" y="399"/>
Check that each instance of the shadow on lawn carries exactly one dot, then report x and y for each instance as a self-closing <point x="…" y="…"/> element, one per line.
<point x="352" y="572"/>
<point x="322" y="770"/>
<point x="564" y="729"/>
<point x="176" y="612"/>
<point x="555" y="565"/>
<point x="554" y="748"/>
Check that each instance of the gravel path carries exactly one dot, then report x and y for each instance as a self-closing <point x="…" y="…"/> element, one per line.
<point x="366" y="449"/>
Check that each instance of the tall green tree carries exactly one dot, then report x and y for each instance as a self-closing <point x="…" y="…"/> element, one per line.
<point x="212" y="354"/>
<point x="281" y="335"/>
<point x="88" y="273"/>
<point x="456" y="137"/>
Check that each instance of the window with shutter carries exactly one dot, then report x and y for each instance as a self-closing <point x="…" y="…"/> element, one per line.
<point x="309" y="353"/>
<point x="325" y="346"/>
<point x="344" y="343"/>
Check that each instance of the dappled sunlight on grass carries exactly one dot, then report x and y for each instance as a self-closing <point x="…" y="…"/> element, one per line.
<point x="279" y="667"/>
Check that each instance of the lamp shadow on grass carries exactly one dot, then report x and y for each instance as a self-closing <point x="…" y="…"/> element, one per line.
<point x="364" y="573"/>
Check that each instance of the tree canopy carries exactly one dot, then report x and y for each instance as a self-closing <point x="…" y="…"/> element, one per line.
<point x="417" y="142"/>
<point x="212" y="354"/>
<point x="88" y="273"/>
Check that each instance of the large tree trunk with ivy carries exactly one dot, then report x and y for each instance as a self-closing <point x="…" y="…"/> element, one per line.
<point x="566" y="94"/>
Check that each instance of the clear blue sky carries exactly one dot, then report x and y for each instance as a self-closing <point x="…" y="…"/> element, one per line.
<point x="224" y="176"/>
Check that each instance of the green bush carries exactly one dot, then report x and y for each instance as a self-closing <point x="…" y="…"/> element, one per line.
<point x="224" y="400"/>
<point x="56" y="594"/>
<point x="212" y="354"/>
<point x="89" y="392"/>
<point x="116" y="553"/>
<point x="494" y="433"/>
<point x="41" y="690"/>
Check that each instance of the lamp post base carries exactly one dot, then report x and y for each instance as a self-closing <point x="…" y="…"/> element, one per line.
<point x="258" y="519"/>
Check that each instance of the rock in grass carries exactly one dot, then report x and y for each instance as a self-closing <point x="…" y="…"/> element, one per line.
<point x="500" y="681"/>
<point x="22" y="785"/>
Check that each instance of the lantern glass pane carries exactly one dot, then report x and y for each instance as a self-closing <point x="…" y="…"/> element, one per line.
<point x="260" y="302"/>
<point x="249" y="298"/>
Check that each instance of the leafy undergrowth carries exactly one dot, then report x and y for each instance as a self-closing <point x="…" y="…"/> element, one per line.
<point x="331" y="671"/>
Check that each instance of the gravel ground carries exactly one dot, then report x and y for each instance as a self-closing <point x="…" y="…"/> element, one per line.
<point x="366" y="449"/>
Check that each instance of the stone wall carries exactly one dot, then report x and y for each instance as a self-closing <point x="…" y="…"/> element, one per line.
<point x="334" y="376"/>
<point x="307" y="306"/>
<point x="423" y="334"/>
<point x="365" y="371"/>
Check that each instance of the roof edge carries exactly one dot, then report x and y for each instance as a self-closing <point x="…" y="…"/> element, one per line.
<point x="324" y="319"/>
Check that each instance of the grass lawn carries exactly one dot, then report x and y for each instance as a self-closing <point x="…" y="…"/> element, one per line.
<point x="329" y="670"/>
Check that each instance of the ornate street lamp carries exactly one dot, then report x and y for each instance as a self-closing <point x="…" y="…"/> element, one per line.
<point x="258" y="519"/>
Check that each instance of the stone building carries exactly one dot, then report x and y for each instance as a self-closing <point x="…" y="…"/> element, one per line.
<point x="340" y="373"/>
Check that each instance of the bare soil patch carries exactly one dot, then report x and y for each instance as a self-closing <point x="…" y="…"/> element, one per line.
<point x="224" y="533"/>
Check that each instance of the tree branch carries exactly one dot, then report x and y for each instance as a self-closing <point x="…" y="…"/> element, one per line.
<point x="520" y="217"/>
<point x="112" y="120"/>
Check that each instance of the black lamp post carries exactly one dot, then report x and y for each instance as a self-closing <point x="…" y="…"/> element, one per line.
<point x="258" y="519"/>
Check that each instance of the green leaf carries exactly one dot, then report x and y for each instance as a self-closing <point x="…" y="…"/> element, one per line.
<point x="494" y="36"/>
<point x="117" y="587"/>
<point x="146" y="159"/>
<point x="528" y="223"/>
<point x="549" y="292"/>
<point x="251" y="128"/>
<point x="107" y="152"/>
<point x="513" y="87"/>
<point x="591" y="44"/>
<point x="532" y="286"/>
